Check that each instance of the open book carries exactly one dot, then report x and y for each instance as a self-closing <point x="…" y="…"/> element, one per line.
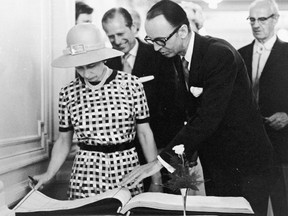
<point x="35" y="201"/>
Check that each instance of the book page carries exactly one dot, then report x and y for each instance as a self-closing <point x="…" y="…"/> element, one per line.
<point x="165" y="201"/>
<point x="37" y="201"/>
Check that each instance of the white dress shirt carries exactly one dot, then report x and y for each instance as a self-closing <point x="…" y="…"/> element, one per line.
<point x="264" y="50"/>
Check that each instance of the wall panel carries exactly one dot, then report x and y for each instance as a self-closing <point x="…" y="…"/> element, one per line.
<point x="25" y="56"/>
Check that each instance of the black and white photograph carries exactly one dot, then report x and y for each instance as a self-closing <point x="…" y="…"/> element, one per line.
<point x="144" y="107"/>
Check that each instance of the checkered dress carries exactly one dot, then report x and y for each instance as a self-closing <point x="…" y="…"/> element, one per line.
<point x="106" y="115"/>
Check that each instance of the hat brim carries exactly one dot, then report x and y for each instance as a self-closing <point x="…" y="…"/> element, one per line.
<point x="67" y="61"/>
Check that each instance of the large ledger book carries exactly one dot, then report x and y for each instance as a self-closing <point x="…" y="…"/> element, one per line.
<point x="36" y="201"/>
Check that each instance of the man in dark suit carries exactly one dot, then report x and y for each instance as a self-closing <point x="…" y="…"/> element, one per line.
<point x="143" y="62"/>
<point x="266" y="60"/>
<point x="225" y="126"/>
<point x="165" y="116"/>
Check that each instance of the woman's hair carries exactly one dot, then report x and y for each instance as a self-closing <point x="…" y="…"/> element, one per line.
<point x="172" y="12"/>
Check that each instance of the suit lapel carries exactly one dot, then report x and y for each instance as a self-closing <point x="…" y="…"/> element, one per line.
<point x="249" y="59"/>
<point x="178" y="68"/>
<point x="138" y="65"/>
<point x="201" y="44"/>
<point x="181" y="93"/>
<point x="115" y="63"/>
<point x="272" y="59"/>
<point x="195" y="61"/>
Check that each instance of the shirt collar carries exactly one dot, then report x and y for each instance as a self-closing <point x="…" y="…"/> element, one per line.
<point x="189" y="52"/>
<point x="267" y="45"/>
<point x="134" y="50"/>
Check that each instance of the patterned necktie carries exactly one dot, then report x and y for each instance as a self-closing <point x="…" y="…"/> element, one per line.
<point x="126" y="66"/>
<point x="186" y="71"/>
<point x="255" y="84"/>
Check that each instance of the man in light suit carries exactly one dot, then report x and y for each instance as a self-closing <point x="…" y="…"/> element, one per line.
<point x="269" y="55"/>
<point x="225" y="126"/>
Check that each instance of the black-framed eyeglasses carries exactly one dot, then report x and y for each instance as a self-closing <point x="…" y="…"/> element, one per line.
<point x="261" y="20"/>
<point x="160" y="41"/>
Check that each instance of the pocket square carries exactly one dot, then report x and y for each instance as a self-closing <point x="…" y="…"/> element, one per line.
<point x="146" y="78"/>
<point x="196" y="91"/>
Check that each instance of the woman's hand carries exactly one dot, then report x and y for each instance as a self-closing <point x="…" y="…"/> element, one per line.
<point x="141" y="172"/>
<point x="60" y="151"/>
<point x="41" y="180"/>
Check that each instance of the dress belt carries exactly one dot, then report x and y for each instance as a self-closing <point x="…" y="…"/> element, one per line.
<point x="107" y="148"/>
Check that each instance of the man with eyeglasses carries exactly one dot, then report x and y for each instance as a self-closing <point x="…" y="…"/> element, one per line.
<point x="266" y="59"/>
<point x="224" y="125"/>
<point x="166" y="117"/>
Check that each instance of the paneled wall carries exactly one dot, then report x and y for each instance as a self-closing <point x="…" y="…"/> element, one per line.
<point x="32" y="33"/>
<point x="24" y="60"/>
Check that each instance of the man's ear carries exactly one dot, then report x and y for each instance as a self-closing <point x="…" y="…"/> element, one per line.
<point x="276" y="18"/>
<point x="183" y="31"/>
<point x="133" y="29"/>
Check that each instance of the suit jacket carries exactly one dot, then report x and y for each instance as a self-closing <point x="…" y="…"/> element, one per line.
<point x="172" y="113"/>
<point x="165" y="117"/>
<point x="145" y="64"/>
<point x="273" y="91"/>
<point x="225" y="126"/>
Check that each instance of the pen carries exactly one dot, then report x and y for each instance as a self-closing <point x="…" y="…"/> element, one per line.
<point x="34" y="182"/>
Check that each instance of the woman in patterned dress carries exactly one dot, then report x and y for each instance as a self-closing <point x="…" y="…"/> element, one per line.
<point x="104" y="108"/>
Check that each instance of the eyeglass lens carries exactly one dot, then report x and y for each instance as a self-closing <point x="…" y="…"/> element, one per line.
<point x="161" y="41"/>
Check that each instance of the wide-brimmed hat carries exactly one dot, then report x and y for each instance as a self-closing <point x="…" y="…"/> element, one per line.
<point x="85" y="45"/>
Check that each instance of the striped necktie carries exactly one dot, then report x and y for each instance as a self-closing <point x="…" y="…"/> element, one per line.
<point x="126" y="66"/>
<point x="186" y="71"/>
<point x="255" y="83"/>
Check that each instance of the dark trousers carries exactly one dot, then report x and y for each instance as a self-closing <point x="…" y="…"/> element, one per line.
<point x="232" y="182"/>
<point x="279" y="190"/>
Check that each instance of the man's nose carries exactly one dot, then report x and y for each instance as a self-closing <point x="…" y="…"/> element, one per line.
<point x="117" y="40"/>
<point x="256" y="23"/>
<point x="156" y="47"/>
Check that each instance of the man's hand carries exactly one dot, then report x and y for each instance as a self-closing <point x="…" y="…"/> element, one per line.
<point x="141" y="172"/>
<point x="277" y="121"/>
<point x="156" y="188"/>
